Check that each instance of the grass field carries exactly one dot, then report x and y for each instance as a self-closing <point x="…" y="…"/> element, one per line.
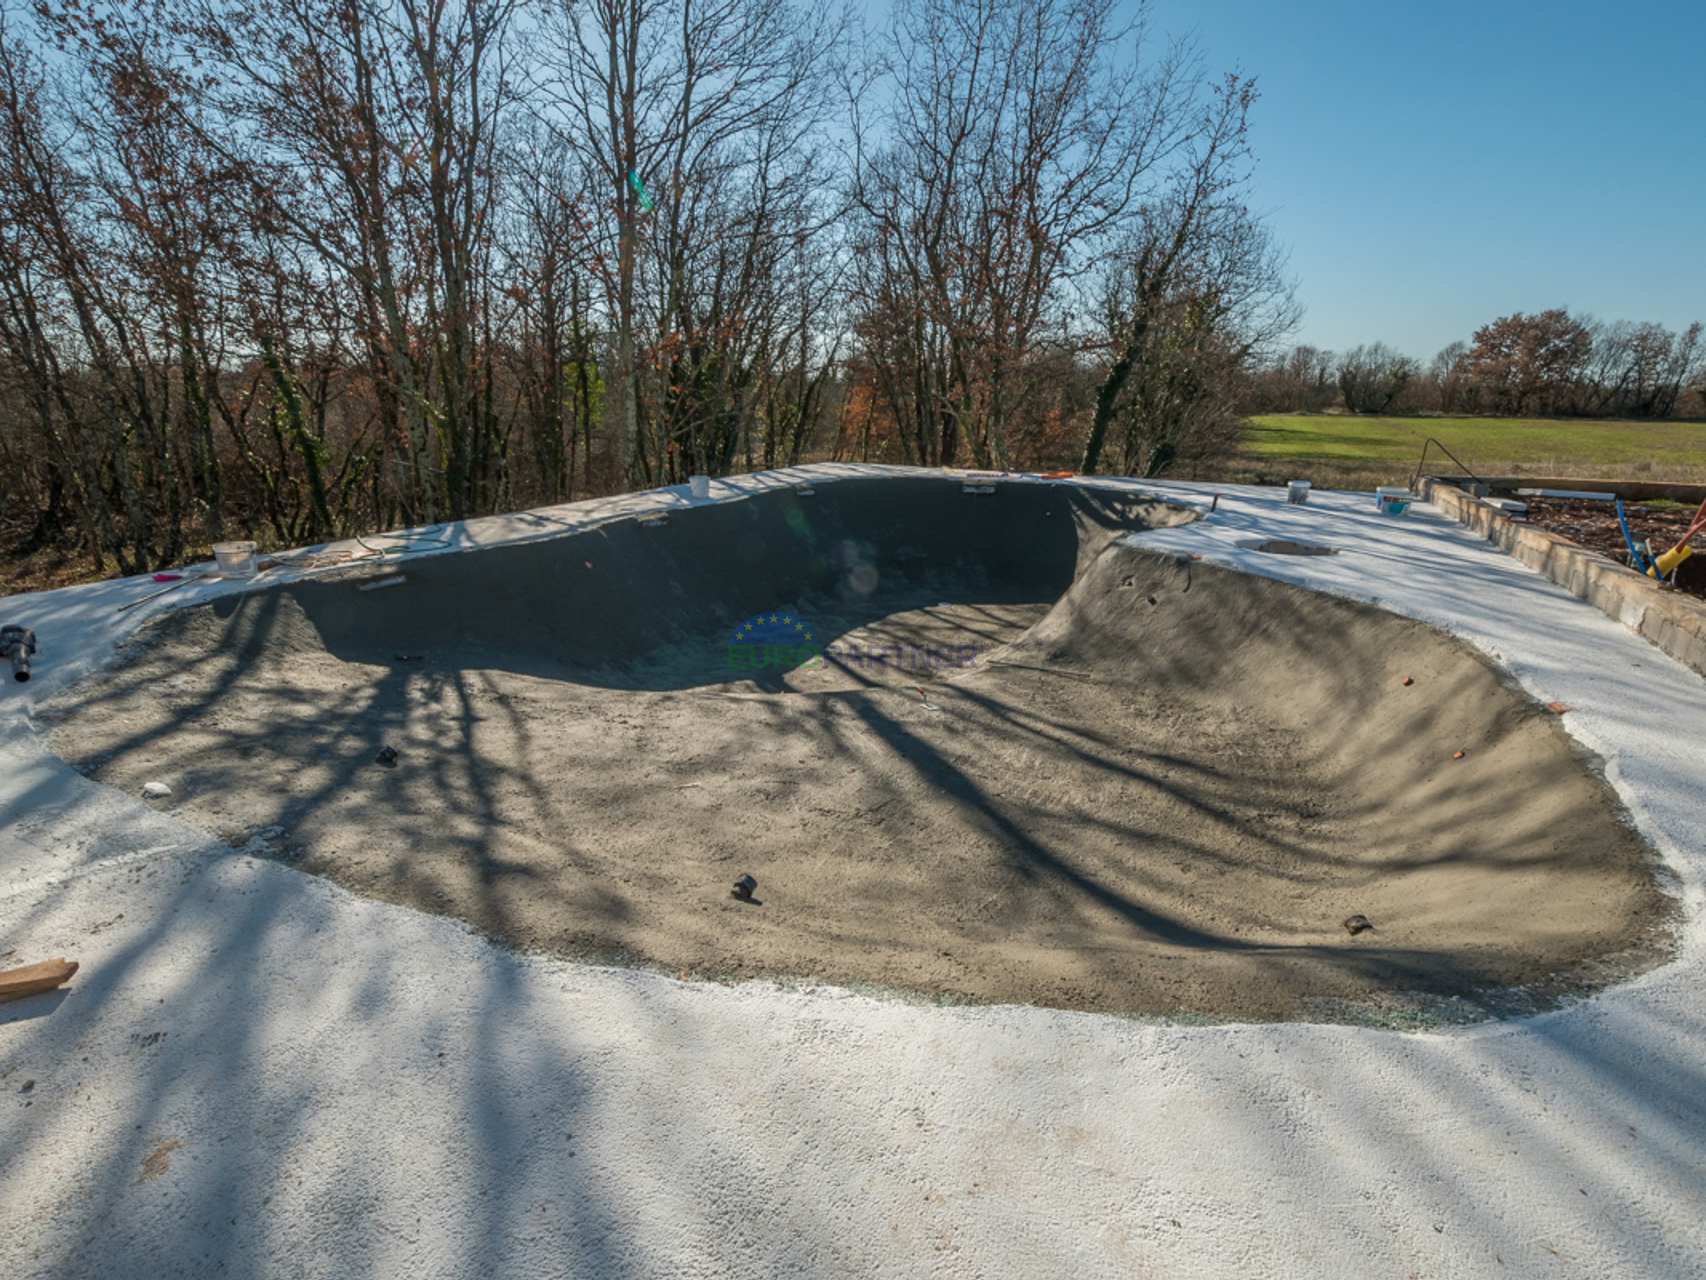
<point x="1342" y="451"/>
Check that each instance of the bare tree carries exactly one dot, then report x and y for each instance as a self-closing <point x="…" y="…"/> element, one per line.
<point x="552" y="352"/>
<point x="1637" y="370"/>
<point x="121" y="217"/>
<point x="57" y="438"/>
<point x="1195" y="295"/>
<point x="310" y="266"/>
<point x="1374" y="378"/>
<point x="369" y="133"/>
<point x="1445" y="381"/>
<point x="699" y="124"/>
<point x="1174" y="391"/>
<point x="1016" y="141"/>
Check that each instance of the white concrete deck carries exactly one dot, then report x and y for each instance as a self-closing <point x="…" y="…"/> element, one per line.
<point x="343" y="1088"/>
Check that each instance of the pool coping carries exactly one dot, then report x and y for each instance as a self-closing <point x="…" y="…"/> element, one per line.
<point x="1673" y="622"/>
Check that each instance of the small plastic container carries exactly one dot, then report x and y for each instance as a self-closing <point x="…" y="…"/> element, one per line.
<point x="699" y="487"/>
<point x="1297" y="492"/>
<point x="1392" y="502"/>
<point x="234" y="559"/>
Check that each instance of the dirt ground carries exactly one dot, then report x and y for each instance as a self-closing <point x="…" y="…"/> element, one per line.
<point x="1163" y="794"/>
<point x="1593" y="524"/>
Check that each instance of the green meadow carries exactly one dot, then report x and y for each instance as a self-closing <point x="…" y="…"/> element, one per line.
<point x="1348" y="451"/>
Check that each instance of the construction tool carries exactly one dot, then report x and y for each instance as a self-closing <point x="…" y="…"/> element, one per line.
<point x="1665" y="565"/>
<point x="155" y="595"/>
<point x="1637" y="557"/>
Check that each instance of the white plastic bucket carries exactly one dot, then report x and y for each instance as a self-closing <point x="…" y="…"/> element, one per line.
<point x="1392" y="502"/>
<point x="1297" y="491"/>
<point x="234" y="559"/>
<point x="699" y="487"/>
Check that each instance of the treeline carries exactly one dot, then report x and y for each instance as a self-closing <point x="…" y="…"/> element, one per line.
<point x="1550" y="364"/>
<point x="303" y="268"/>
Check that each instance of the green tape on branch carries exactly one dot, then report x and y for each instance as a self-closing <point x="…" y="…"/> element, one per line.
<point x="639" y="190"/>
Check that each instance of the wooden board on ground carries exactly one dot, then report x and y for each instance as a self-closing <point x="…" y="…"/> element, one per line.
<point x="33" y="979"/>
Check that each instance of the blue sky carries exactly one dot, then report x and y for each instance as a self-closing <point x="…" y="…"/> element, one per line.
<point x="1433" y="166"/>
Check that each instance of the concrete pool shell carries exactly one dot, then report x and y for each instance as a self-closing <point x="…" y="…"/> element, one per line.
<point x="413" y="1100"/>
<point x="1160" y="788"/>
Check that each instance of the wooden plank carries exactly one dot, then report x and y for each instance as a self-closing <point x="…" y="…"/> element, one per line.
<point x="33" y="979"/>
<point x="1584" y="495"/>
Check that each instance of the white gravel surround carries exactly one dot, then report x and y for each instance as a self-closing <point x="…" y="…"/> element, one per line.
<point x="358" y="1090"/>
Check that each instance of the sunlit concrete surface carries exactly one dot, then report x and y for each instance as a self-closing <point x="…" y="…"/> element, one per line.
<point x="257" y="1073"/>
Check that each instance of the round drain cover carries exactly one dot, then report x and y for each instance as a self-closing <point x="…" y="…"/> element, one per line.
<point x="1286" y="547"/>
